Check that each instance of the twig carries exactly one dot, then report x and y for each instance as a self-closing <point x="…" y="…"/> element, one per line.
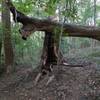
<point x="37" y="78"/>
<point x="50" y="79"/>
<point x="70" y="65"/>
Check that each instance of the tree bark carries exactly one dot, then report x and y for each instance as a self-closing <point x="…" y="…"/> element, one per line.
<point x="6" y="26"/>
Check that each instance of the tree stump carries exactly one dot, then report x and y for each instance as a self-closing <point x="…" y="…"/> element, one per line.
<point x="50" y="53"/>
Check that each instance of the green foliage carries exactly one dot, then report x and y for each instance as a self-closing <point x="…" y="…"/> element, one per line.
<point x="70" y="9"/>
<point x="25" y="6"/>
<point x="95" y="54"/>
<point x="57" y="34"/>
<point x="65" y="45"/>
<point x="51" y="6"/>
<point x="27" y="51"/>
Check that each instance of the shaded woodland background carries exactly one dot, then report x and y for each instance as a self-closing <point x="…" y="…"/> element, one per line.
<point x="79" y="12"/>
<point x="16" y="53"/>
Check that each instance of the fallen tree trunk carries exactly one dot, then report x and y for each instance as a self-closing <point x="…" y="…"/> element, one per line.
<point x="34" y="24"/>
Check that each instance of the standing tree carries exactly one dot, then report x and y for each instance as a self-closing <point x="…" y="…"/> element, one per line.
<point x="0" y="50"/>
<point x="8" y="50"/>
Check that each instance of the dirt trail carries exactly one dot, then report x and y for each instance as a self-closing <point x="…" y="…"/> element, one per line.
<point x="69" y="84"/>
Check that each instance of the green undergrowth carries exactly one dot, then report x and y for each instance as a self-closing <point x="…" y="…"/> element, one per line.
<point x="92" y="54"/>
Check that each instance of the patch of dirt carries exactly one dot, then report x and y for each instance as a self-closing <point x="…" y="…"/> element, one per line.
<point x="69" y="83"/>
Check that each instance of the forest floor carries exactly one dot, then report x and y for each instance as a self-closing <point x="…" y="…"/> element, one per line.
<point x="69" y="83"/>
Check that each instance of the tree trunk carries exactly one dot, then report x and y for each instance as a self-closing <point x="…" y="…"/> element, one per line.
<point x="50" y="54"/>
<point x="8" y="50"/>
<point x="0" y="51"/>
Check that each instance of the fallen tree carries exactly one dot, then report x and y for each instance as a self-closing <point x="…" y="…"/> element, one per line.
<point x="52" y="31"/>
<point x="34" y="24"/>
